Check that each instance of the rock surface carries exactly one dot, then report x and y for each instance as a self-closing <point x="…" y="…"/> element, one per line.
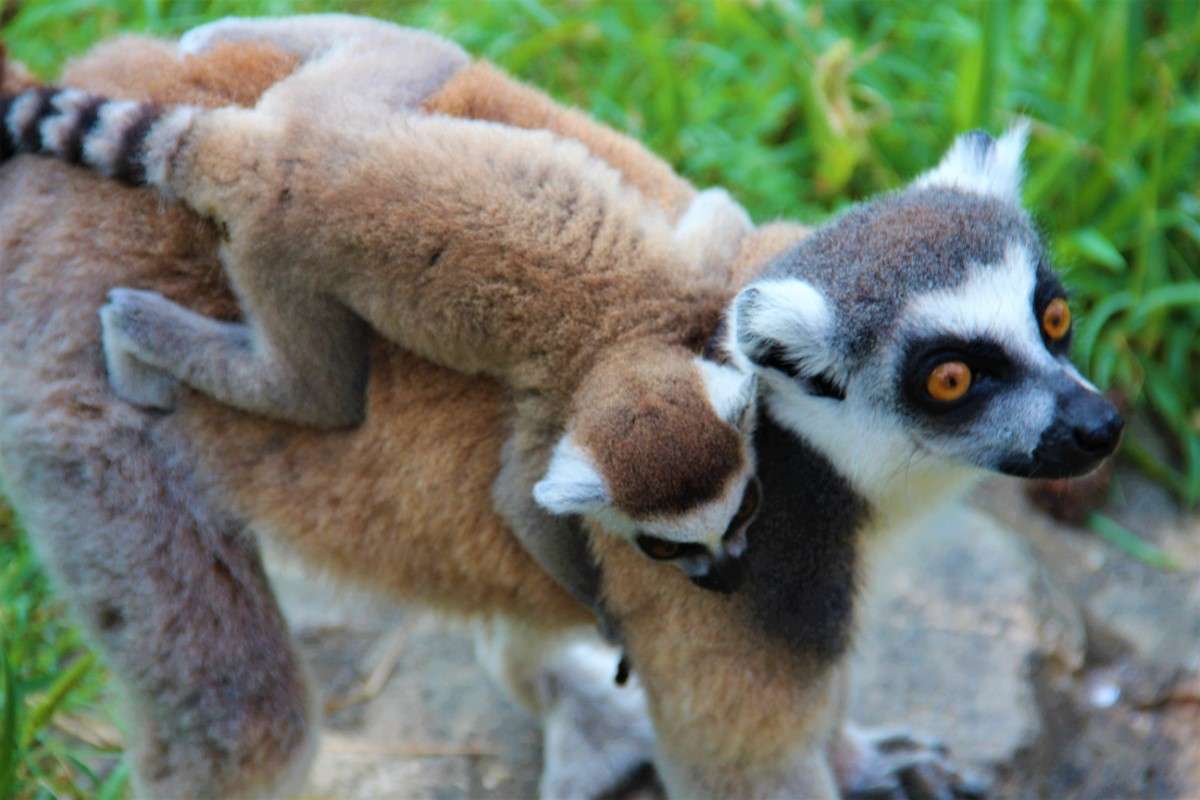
<point x="1039" y="653"/>
<point x="960" y="615"/>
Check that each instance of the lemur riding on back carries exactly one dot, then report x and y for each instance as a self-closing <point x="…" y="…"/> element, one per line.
<point x="481" y="247"/>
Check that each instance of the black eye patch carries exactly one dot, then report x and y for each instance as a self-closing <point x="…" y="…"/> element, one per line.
<point x="990" y="368"/>
<point x="1050" y="288"/>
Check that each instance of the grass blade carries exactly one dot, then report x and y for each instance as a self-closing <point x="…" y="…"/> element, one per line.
<point x="115" y="784"/>
<point x="1131" y="544"/>
<point x="59" y="692"/>
<point x="9" y="743"/>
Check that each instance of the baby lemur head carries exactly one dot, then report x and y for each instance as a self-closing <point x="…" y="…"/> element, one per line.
<point x="658" y="449"/>
<point x="923" y="336"/>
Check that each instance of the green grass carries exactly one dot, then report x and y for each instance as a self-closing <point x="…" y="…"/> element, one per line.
<point x="800" y="108"/>
<point x="54" y="715"/>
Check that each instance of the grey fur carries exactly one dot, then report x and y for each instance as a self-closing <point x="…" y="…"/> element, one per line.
<point x="167" y="585"/>
<point x="870" y="260"/>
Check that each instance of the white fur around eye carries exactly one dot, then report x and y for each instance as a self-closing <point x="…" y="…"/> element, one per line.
<point x="976" y="165"/>
<point x="996" y="301"/>
<point x="788" y="312"/>
<point x="572" y="484"/>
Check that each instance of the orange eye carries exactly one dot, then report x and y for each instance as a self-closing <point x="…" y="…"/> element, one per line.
<point x="949" y="381"/>
<point x="1056" y="319"/>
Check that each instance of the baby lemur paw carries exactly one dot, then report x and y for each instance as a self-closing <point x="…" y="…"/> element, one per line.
<point x="229" y="29"/>
<point x="712" y="228"/>
<point x="897" y="764"/>
<point x="123" y="322"/>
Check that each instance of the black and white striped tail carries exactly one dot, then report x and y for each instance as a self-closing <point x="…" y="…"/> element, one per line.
<point x="121" y="139"/>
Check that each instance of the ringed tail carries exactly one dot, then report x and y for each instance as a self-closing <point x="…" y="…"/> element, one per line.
<point x="128" y="141"/>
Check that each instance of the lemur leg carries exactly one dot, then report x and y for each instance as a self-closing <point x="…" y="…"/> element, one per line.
<point x="895" y="762"/>
<point x="597" y="736"/>
<point x="884" y="762"/>
<point x="475" y="91"/>
<point x="558" y="544"/>
<point x="313" y="373"/>
<point x="349" y="63"/>
<point x="806" y="774"/>
<point x="173" y="594"/>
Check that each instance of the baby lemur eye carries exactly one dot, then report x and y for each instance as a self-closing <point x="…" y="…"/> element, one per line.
<point x="667" y="550"/>
<point x="948" y="381"/>
<point x="659" y="549"/>
<point x="1056" y="319"/>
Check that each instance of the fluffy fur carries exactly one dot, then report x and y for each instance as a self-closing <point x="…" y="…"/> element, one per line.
<point x="374" y="509"/>
<point x="746" y="691"/>
<point x="486" y="248"/>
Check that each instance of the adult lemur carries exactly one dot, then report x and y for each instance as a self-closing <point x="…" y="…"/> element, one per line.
<point x="905" y="346"/>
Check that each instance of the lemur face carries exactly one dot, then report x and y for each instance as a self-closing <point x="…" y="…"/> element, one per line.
<point x="661" y="454"/>
<point x="924" y="334"/>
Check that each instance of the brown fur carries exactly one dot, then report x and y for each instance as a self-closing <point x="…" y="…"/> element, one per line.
<point x="483" y="91"/>
<point x="401" y="504"/>
<point x="483" y="247"/>
<point x="657" y="451"/>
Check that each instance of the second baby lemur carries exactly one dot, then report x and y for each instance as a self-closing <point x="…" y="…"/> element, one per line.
<point x="482" y="247"/>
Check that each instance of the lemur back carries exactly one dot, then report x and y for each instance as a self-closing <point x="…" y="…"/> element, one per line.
<point x="482" y="247"/>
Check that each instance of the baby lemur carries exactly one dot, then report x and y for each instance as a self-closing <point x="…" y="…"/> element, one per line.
<point x="482" y="247"/>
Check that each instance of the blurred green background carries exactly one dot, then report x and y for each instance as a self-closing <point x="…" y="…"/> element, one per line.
<point x="798" y="108"/>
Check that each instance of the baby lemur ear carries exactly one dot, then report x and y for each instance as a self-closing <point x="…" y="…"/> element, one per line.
<point x="785" y="325"/>
<point x="978" y="163"/>
<point x="572" y="483"/>
<point x="731" y="391"/>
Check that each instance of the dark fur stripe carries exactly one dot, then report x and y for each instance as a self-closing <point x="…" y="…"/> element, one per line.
<point x="30" y="137"/>
<point x="802" y="556"/>
<point x="8" y="147"/>
<point x="128" y="167"/>
<point x="89" y="114"/>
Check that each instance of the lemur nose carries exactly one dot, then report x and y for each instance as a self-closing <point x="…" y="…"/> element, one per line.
<point x="1100" y="433"/>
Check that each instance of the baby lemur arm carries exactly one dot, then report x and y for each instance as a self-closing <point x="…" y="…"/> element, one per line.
<point x="351" y="52"/>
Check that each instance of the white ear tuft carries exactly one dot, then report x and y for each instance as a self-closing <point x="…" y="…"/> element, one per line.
<point x="572" y="484"/>
<point x="977" y="163"/>
<point x="730" y="390"/>
<point x="783" y="325"/>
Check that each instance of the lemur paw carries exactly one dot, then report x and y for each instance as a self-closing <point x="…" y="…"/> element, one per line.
<point x="897" y="764"/>
<point x="598" y="737"/>
<point x="227" y="29"/>
<point x="712" y="227"/>
<point x="123" y="324"/>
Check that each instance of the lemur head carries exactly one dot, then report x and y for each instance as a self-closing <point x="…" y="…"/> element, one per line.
<point x="923" y="335"/>
<point x="658" y="450"/>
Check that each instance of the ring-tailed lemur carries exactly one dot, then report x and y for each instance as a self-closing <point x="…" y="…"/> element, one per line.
<point x="910" y="343"/>
<point x="482" y="247"/>
<point x="822" y="498"/>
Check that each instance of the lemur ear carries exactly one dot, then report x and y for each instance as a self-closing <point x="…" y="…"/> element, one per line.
<point x="978" y="163"/>
<point x="785" y="325"/>
<point x="572" y="484"/>
<point x="731" y="391"/>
